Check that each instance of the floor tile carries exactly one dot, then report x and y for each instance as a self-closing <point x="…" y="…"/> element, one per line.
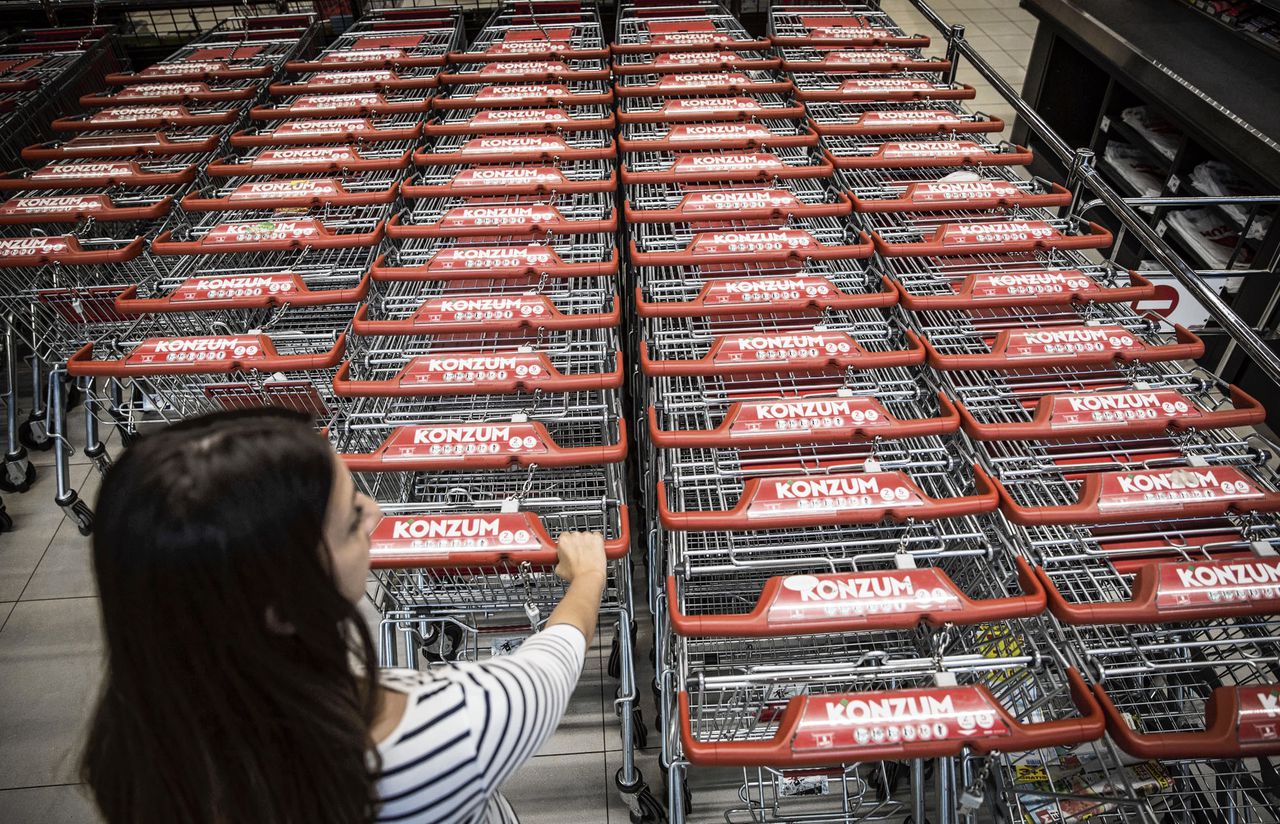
<point x="5" y="608"/>
<point x="984" y="15"/>
<point x="66" y="570"/>
<point x="66" y="804"/>
<point x="1002" y="28"/>
<point x="560" y="789"/>
<point x="50" y="666"/>
<point x="36" y="519"/>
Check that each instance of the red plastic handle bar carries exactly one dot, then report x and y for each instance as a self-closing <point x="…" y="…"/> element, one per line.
<point x="477" y="373"/>
<point x="427" y="449"/>
<point x="885" y="158"/>
<point x="701" y="136"/>
<point x="513" y="180"/>
<point x="727" y="171"/>
<point x="545" y="220"/>
<point x="730" y="204"/>
<point x="785" y="293"/>
<point x="718" y="83"/>
<point x="719" y="247"/>
<point x="299" y="194"/>
<point x="822" y="351"/>
<point x="894" y="599"/>
<point x="467" y="263"/>
<point x="1174" y="591"/>
<point x="1147" y="495"/>
<point x="791" y="421"/>
<point x="794" y="745"/>
<point x="316" y="237"/>
<point x="545" y="98"/>
<point x="724" y="42"/>
<point x="532" y="71"/>
<point x="158" y="120"/>
<point x="1238" y="723"/>
<point x="1049" y="287"/>
<point x="166" y="72"/>
<point x="20" y="252"/>
<point x="356" y="82"/>
<point x="128" y="145"/>
<point x="214" y="293"/>
<point x="96" y="175"/>
<point x="841" y="61"/>
<point x="490" y="122"/>
<point x="1033" y="348"/>
<point x="192" y="95"/>
<point x="364" y="59"/>
<point x="999" y="237"/>
<point x="551" y="51"/>
<point x="1142" y="412"/>
<point x="307" y="160"/>
<point x="710" y="61"/>
<point x="872" y="37"/>
<point x="337" y="130"/>
<point x="478" y="313"/>
<point x="841" y="499"/>
<point x="355" y="109"/>
<point x="873" y="89"/>
<point x="520" y="149"/>
<point x="237" y="354"/>
<point x="492" y="539"/>
<point x="74" y="208"/>
<point x="946" y="196"/>
<point x="910" y="122"/>
<point x="727" y="114"/>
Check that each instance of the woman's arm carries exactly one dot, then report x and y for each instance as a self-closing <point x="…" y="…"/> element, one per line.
<point x="582" y="564"/>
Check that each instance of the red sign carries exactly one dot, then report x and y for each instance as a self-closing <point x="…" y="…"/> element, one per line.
<point x="363" y="56"/>
<point x="306" y="189"/>
<point x="704" y="132"/>
<point x="1066" y="341"/>
<point x="1095" y="408"/>
<point x="1006" y="231"/>
<point x="445" y="311"/>
<point x="1174" y="488"/>
<point x="1003" y="285"/>
<point x="711" y="105"/>
<point x="782" y="348"/>
<point x="489" y="532"/>
<point x="805" y="416"/>
<point x="752" y="242"/>
<point x="828" y="494"/>
<point x="698" y="164"/>
<point x="463" y="370"/>
<point x="259" y="231"/>
<point x="521" y="92"/>
<point x="1258" y="718"/>
<point x="962" y="190"/>
<point x="517" y="143"/>
<point x="862" y="596"/>
<point x="501" y="217"/>
<point x="699" y="80"/>
<point x="928" y="149"/>
<point x="305" y="154"/>
<point x="214" y="288"/>
<point x="46" y="205"/>
<point x="481" y="259"/>
<point x="329" y="102"/>
<point x="731" y="200"/>
<point x="412" y="443"/>
<point x="216" y="349"/>
<point x="902" y="717"/>
<point x="519" y="117"/>
<point x="1217" y="583"/>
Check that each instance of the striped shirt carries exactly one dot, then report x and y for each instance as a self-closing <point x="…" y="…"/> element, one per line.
<point x="467" y="727"/>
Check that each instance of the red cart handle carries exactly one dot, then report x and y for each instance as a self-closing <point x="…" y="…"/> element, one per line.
<point x="964" y="195"/>
<point x="1078" y="345"/>
<point x="799" y="351"/>
<point x="742" y="167"/>
<point x="143" y="117"/>
<point x="853" y="37"/>
<point x="18" y="252"/>
<point x="190" y="70"/>
<point x="301" y="193"/>
<point x="214" y="355"/>
<point x="479" y="539"/>
<point x="875" y="89"/>
<point x="524" y="148"/>
<point x="1239" y="722"/>
<point x="894" y="599"/>
<point x="1043" y="287"/>
<point x="469" y="262"/>
<point x="789" y="421"/>
<point x="1174" y="591"/>
<point x="510" y="180"/>
<point x="714" y="109"/>
<point x="487" y="219"/>
<point x="932" y="154"/>
<point x="28" y="209"/>
<point x="523" y="95"/>
<point x="85" y="175"/>
<point x="738" y="135"/>
<point x="479" y="313"/>
<point x="513" y="121"/>
<point x="694" y="42"/>
<point x="524" y="71"/>
<point x="772" y="245"/>
<point x="739" y="204"/>
<point x="698" y="61"/>
<point x="358" y="80"/>
<point x="869" y="61"/>
<point x="307" y="160"/>
<point x="910" y="121"/>
<point x="389" y="58"/>
<point x="1148" y="495"/>
<point x="723" y="82"/>
<point x="837" y="499"/>
<point x="180" y="91"/>
<point x="358" y="104"/>
<point x="871" y="726"/>
<point x="1124" y="413"/>
<point x="441" y="447"/>
<point x="122" y="144"/>
<point x="997" y="236"/>
<point x="349" y="130"/>
<point x="233" y="292"/>
<point x="783" y="293"/>
<point x="481" y="373"/>
<point x="271" y="235"/>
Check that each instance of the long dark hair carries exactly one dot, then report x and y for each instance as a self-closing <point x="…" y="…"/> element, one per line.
<point x="229" y="696"/>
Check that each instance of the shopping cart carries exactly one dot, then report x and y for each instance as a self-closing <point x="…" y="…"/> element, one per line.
<point x="752" y="82"/>
<point x="712" y="60"/>
<point x="788" y="240"/>
<point x="563" y="178"/>
<point x="937" y="117"/>
<point x="329" y="158"/>
<point x="175" y="91"/>
<point x="174" y="171"/>
<point x="856" y="27"/>
<point x="353" y="131"/>
<point x="682" y="202"/>
<point x="949" y="234"/>
<point x="526" y="94"/>
<point x="540" y="215"/>
<point x="508" y="121"/>
<point x="272" y="230"/>
<point x="525" y="71"/>
<point x="807" y="59"/>
<point x="567" y="41"/>
<point x="898" y="87"/>
<point x="382" y="50"/>
<point x="189" y="140"/>
<point x="713" y="28"/>
<point x="351" y="104"/>
<point x="652" y="109"/>
<point x="454" y="150"/>
<point x="555" y="256"/>
<point x="297" y="191"/>
<point x="736" y="135"/>
<point x="852" y="152"/>
<point x="151" y="117"/>
<point x="924" y="190"/>
<point x="739" y="166"/>
<point x="346" y="80"/>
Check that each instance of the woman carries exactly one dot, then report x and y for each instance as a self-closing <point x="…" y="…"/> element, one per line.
<point x="231" y="551"/>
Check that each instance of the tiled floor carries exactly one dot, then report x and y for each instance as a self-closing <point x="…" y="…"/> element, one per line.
<point x="50" y="648"/>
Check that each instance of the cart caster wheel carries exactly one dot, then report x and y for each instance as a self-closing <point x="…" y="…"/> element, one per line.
<point x="447" y="642"/>
<point x="640" y="800"/>
<point x="79" y="511"/>
<point x="615" y="659"/>
<point x="18" y="476"/>
<point x="6" y="521"/>
<point x="128" y="437"/>
<point x="75" y="397"/>
<point x="686" y="794"/>
<point x="34" y="435"/>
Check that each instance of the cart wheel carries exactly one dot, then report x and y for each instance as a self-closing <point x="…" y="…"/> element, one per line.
<point x="75" y="397"/>
<point x="639" y="732"/>
<point x="6" y="521"/>
<point x="615" y="659"/>
<point x="686" y="794"/>
<point x="33" y="434"/>
<point x="127" y="436"/>
<point x="448" y="644"/>
<point x="639" y="799"/>
<point x="18" y="475"/>
<point x="80" y="512"/>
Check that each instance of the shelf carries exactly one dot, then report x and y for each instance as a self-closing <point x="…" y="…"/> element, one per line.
<point x="1118" y="128"/>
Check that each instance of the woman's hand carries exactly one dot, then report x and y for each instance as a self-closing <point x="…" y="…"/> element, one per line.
<point x="581" y="556"/>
